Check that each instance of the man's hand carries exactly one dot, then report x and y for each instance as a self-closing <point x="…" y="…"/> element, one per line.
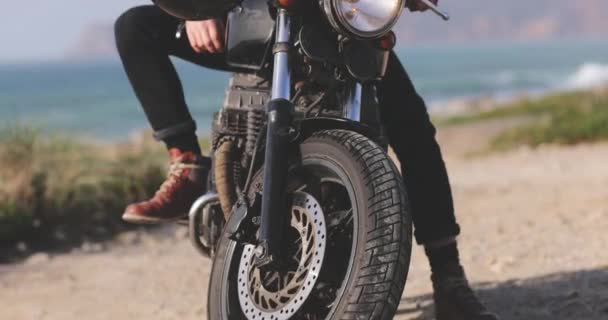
<point x="206" y="35"/>
<point x="417" y="5"/>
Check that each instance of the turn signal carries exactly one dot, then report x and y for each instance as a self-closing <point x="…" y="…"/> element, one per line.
<point x="287" y="4"/>
<point x="388" y="41"/>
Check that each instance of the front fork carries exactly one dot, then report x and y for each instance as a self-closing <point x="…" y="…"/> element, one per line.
<point x="278" y="139"/>
<point x="275" y="205"/>
<point x="274" y="215"/>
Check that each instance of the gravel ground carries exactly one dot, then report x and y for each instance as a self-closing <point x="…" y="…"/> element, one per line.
<point x="534" y="243"/>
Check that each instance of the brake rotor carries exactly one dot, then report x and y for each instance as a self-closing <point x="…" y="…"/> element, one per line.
<point x="277" y="295"/>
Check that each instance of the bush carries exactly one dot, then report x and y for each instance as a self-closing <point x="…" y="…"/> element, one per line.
<point x="567" y="125"/>
<point x="57" y="188"/>
<point x="566" y="118"/>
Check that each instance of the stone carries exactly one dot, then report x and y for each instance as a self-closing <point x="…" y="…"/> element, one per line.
<point x="89" y="247"/>
<point x="38" y="258"/>
<point x="129" y="238"/>
<point x="21" y="247"/>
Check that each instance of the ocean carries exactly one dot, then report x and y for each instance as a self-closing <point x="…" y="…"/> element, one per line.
<point x="93" y="98"/>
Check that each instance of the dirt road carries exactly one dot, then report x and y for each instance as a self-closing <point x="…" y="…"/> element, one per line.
<point x="535" y="238"/>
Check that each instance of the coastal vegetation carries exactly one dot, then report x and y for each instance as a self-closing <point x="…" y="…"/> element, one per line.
<point x="54" y="188"/>
<point x="562" y="118"/>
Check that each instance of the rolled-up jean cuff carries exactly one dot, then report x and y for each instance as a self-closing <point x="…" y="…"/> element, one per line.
<point x="438" y="233"/>
<point x="175" y="130"/>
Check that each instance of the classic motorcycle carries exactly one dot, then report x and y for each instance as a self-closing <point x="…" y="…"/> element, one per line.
<point x="307" y="216"/>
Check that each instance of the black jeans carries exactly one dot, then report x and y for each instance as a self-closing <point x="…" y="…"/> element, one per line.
<point x="145" y="38"/>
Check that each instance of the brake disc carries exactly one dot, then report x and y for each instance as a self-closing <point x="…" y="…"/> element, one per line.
<point x="278" y="295"/>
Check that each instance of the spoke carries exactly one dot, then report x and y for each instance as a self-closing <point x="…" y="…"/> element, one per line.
<point x="288" y="277"/>
<point x="297" y="256"/>
<point x="312" y="183"/>
<point x="335" y="197"/>
<point x="303" y="180"/>
<point x="272" y="278"/>
<point x="337" y="218"/>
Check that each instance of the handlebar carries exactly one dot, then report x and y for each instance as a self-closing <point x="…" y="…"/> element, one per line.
<point x="444" y="15"/>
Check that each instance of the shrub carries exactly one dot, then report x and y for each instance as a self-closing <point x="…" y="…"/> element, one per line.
<point x="53" y="187"/>
<point x="565" y="118"/>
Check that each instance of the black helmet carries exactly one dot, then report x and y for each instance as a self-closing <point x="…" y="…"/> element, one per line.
<point x="196" y="9"/>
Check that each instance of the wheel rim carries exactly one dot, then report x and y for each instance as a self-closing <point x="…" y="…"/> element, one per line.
<point x="234" y="293"/>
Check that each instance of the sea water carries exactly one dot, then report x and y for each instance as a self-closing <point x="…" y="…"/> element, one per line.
<point x="94" y="99"/>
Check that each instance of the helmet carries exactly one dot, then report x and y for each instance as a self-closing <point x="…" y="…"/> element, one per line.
<point x="196" y="9"/>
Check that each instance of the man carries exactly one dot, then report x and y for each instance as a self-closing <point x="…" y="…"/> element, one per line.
<point x="145" y="38"/>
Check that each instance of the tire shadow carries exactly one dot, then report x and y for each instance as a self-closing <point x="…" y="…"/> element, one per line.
<point x="581" y="295"/>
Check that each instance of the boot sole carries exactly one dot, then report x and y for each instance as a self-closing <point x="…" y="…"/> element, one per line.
<point x="137" y="219"/>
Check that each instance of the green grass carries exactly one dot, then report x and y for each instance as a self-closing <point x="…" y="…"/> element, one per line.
<point x="56" y="188"/>
<point x="565" y="118"/>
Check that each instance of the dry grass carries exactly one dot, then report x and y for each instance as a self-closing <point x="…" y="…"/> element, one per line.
<point x="564" y="118"/>
<point x="55" y="188"/>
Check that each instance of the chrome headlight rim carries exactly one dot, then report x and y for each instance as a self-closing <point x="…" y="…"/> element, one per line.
<point x="339" y="22"/>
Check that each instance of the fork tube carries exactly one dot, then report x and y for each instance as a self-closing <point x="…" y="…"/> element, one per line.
<point x="281" y="79"/>
<point x="274" y="198"/>
<point x="352" y="107"/>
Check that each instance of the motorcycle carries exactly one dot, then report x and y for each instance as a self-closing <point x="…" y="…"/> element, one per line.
<point x="307" y="217"/>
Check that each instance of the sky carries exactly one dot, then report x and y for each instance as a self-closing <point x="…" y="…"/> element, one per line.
<point x="44" y="29"/>
<point x="38" y="30"/>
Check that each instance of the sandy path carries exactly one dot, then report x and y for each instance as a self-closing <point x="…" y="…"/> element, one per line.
<point x="535" y="235"/>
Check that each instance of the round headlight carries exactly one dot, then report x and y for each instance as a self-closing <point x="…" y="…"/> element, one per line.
<point x="364" y="18"/>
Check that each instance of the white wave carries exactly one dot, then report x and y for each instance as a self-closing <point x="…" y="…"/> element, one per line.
<point x="518" y="79"/>
<point x="588" y="75"/>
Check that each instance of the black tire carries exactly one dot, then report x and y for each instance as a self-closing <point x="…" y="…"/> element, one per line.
<point x="382" y="241"/>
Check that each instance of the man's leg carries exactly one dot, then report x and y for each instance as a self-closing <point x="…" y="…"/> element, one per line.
<point x="412" y="136"/>
<point x="145" y="38"/>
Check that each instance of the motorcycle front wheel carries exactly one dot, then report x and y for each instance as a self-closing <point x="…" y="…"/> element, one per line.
<point x="347" y="249"/>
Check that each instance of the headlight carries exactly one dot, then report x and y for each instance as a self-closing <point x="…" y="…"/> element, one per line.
<point x="365" y="19"/>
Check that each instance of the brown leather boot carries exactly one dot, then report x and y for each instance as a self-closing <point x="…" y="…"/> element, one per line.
<point x="186" y="181"/>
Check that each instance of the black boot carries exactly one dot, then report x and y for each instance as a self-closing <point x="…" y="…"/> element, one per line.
<point x="454" y="298"/>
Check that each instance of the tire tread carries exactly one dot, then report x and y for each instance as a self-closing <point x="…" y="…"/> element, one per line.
<point x="380" y="280"/>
